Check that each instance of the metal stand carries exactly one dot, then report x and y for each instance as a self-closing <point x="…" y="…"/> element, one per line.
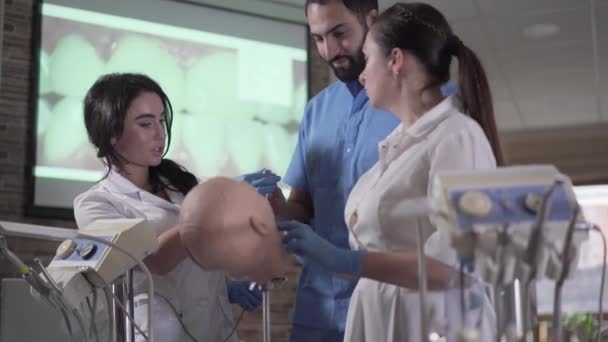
<point x="507" y="299"/>
<point x="508" y="314"/>
<point x="122" y="289"/>
<point x="130" y="329"/>
<point x="529" y="311"/>
<point x="266" y="314"/>
<point x="422" y="286"/>
<point x="266" y="288"/>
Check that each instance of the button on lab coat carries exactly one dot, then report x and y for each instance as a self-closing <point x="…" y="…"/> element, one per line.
<point x="199" y="296"/>
<point x="441" y="139"/>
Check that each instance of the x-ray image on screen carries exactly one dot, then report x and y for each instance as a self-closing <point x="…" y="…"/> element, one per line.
<point x="237" y="102"/>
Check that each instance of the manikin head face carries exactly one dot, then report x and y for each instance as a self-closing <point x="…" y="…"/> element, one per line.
<point x="226" y="225"/>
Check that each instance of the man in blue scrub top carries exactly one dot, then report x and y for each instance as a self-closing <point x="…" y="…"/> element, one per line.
<point x="337" y="143"/>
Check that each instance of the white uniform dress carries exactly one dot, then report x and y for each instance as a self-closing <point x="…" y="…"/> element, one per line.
<point x="199" y="296"/>
<point x="441" y="139"/>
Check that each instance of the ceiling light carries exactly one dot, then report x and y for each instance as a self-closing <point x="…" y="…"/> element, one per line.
<point x="539" y="31"/>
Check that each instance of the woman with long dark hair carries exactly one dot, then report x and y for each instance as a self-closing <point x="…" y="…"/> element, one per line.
<point x="128" y="119"/>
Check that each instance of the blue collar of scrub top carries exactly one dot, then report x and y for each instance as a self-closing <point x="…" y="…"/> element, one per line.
<point x="359" y="95"/>
<point x="450" y="88"/>
<point x="354" y="87"/>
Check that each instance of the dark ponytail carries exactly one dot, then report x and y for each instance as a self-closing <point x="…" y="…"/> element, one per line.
<point x="178" y="178"/>
<point x="475" y="93"/>
<point x="424" y="32"/>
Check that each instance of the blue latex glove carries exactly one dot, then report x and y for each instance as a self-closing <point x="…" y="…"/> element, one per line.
<point x="264" y="181"/>
<point x="312" y="250"/>
<point x="239" y="293"/>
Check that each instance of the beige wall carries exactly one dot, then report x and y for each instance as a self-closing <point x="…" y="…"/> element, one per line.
<point x="579" y="151"/>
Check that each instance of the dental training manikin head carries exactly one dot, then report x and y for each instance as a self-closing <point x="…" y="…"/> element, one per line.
<point x="226" y="225"/>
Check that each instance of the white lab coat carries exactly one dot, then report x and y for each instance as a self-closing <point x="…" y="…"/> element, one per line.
<point x="200" y="296"/>
<point x="442" y="139"/>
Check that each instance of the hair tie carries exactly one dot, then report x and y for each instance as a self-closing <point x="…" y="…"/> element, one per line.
<point x="453" y="44"/>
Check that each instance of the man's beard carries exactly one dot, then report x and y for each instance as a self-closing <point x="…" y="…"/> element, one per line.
<point x="352" y="71"/>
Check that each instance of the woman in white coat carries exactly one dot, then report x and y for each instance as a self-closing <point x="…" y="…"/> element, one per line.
<point x="408" y="51"/>
<point x="128" y="120"/>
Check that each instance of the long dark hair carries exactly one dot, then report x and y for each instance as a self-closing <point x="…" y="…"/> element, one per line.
<point x="424" y="32"/>
<point x="105" y="109"/>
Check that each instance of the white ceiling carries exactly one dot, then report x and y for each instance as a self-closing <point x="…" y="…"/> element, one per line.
<point x="542" y="82"/>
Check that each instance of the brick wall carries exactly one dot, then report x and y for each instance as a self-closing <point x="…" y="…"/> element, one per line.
<point x="1" y="35"/>
<point x="16" y="122"/>
<point x="14" y="103"/>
